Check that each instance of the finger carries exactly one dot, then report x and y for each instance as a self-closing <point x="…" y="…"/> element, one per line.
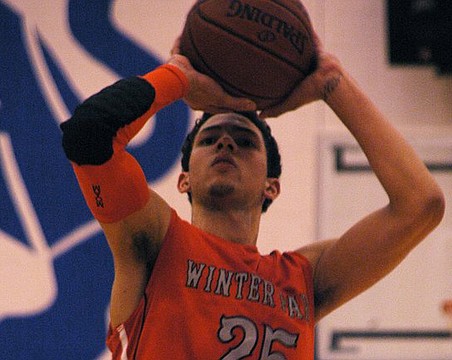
<point x="290" y="104"/>
<point x="237" y="104"/>
<point x="213" y="109"/>
<point x="217" y="110"/>
<point x="210" y="108"/>
<point x="272" y="112"/>
<point x="317" y="42"/>
<point x="176" y="47"/>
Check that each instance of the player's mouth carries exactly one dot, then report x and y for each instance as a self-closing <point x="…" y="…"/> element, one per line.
<point x="224" y="160"/>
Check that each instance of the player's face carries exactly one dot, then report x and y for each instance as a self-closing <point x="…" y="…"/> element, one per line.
<point x="228" y="162"/>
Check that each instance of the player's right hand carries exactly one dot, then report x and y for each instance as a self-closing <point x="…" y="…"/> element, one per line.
<point x="204" y="93"/>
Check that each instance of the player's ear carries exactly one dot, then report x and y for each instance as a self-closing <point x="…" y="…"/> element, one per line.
<point x="272" y="188"/>
<point x="183" y="183"/>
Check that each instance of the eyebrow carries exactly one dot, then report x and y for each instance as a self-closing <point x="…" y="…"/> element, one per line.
<point x="236" y="128"/>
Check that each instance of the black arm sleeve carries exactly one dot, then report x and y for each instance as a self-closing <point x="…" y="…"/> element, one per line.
<point x="88" y="134"/>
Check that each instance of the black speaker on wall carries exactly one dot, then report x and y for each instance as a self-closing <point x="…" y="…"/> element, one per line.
<point x="420" y="33"/>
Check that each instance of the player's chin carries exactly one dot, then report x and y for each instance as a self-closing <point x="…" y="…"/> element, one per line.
<point x="221" y="190"/>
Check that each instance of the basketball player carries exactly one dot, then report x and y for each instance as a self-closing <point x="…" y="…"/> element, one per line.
<point x="201" y="290"/>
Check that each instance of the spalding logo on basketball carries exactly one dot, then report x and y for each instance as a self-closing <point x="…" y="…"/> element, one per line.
<point x="259" y="49"/>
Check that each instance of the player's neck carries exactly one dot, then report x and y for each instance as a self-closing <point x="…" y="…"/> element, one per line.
<point x="239" y="226"/>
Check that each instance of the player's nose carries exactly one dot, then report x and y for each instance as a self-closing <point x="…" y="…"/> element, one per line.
<point x="226" y="142"/>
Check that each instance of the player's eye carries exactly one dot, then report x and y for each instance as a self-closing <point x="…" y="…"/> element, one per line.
<point x="245" y="142"/>
<point x="207" y="140"/>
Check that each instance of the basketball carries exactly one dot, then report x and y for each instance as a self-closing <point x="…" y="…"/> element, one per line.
<point x="258" y="49"/>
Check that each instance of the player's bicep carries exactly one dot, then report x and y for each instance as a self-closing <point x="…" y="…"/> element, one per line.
<point x="363" y="255"/>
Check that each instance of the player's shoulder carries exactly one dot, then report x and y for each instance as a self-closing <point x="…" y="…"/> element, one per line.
<point x="313" y="251"/>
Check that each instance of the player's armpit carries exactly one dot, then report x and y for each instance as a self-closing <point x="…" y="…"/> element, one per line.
<point x="314" y="252"/>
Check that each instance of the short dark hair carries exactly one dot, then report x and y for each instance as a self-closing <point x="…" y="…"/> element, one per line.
<point x="271" y="146"/>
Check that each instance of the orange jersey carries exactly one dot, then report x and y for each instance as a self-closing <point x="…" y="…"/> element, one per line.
<point x="208" y="298"/>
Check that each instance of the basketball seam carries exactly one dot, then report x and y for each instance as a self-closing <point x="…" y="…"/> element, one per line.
<point x="220" y="79"/>
<point x="269" y="51"/>
<point x="277" y="2"/>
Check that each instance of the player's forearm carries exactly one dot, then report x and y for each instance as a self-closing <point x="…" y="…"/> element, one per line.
<point x="109" y="119"/>
<point x="94" y="140"/>
<point x="401" y="172"/>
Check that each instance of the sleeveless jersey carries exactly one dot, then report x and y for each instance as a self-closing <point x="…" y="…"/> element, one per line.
<point x="208" y="298"/>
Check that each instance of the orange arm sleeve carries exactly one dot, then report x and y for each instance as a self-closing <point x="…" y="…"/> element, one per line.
<point x="118" y="187"/>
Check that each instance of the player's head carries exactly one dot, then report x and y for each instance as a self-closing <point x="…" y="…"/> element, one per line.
<point x="271" y="146"/>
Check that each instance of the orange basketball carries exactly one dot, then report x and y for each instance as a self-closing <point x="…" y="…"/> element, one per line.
<point x="259" y="49"/>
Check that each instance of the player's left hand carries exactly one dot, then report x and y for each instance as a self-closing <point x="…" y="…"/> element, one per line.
<point x="314" y="87"/>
